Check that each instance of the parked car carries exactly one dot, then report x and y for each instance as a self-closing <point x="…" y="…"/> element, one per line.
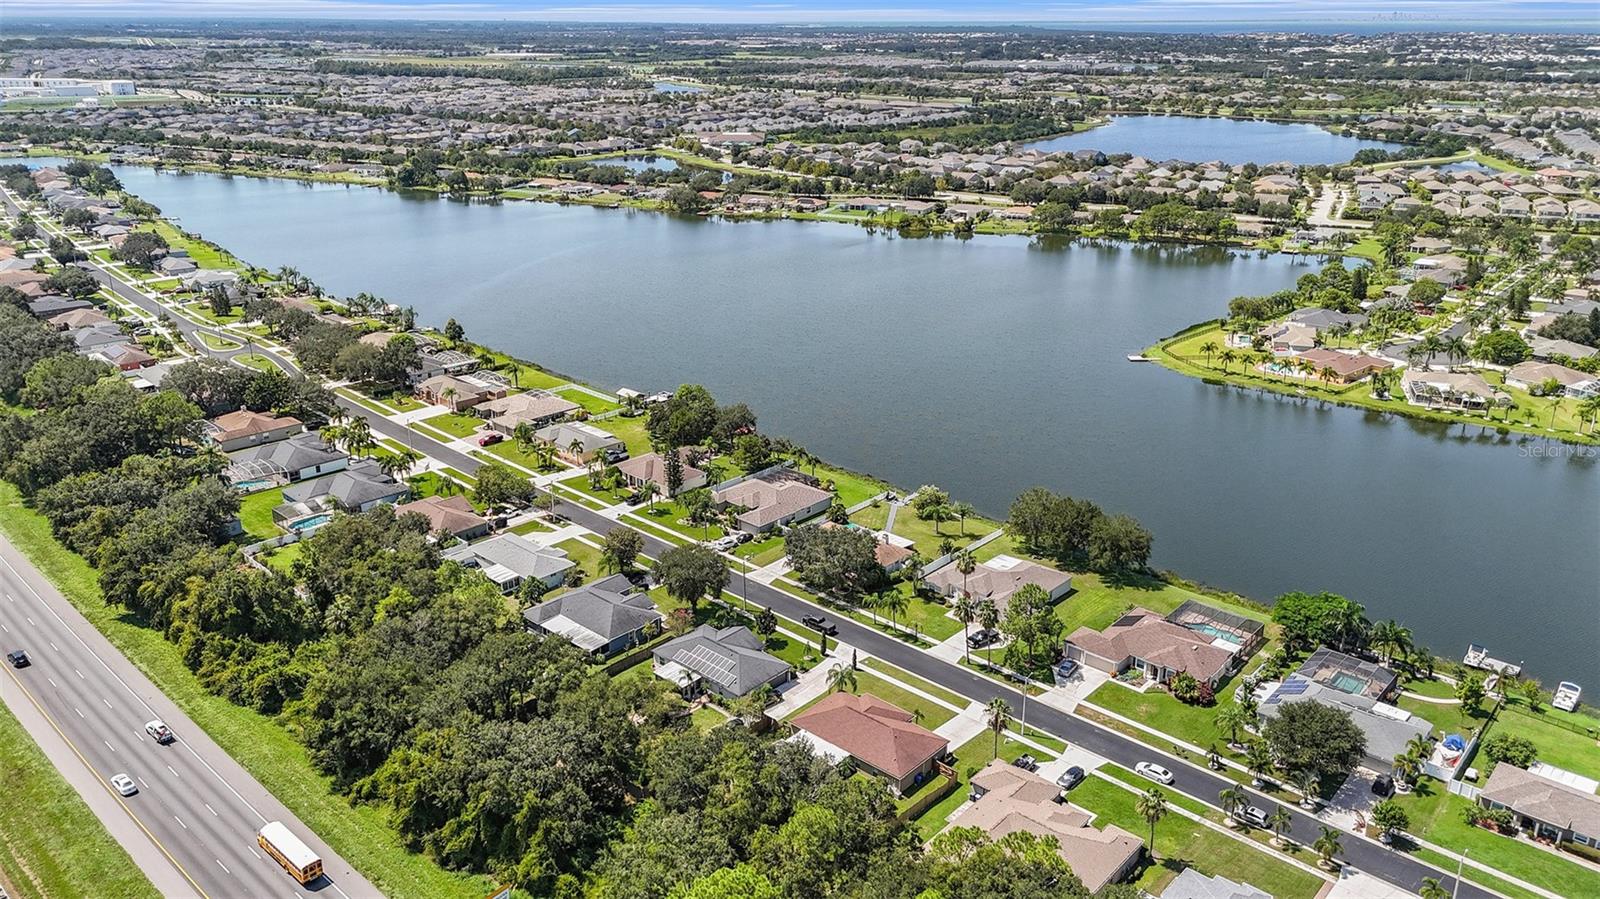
<point x="1027" y="762"/>
<point x="744" y="537"/>
<point x="18" y="658"/>
<point x="1154" y="772"/>
<point x="982" y="637"/>
<point x="616" y="454"/>
<point x="820" y="624"/>
<point x="1070" y="778"/>
<point x="124" y="784"/>
<point x="490" y="439"/>
<point x="1383" y="785"/>
<point x="1066" y="669"/>
<point x="159" y="732"/>
<point x="637" y="497"/>
<point x="1252" y="816"/>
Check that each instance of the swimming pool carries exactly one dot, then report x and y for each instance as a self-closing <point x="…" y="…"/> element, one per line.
<point x="311" y="522"/>
<point x="253" y="485"/>
<point x="1215" y="633"/>
<point x="1349" y="683"/>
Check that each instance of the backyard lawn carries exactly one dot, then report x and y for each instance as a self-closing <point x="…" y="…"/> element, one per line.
<point x="255" y="513"/>
<point x="585" y="554"/>
<point x="849" y="487"/>
<point x="282" y="558"/>
<point x="630" y="431"/>
<point x="1094" y="603"/>
<point x="1557" y="745"/>
<point x="1446" y="718"/>
<point x="928" y="540"/>
<point x="873" y="517"/>
<point x="455" y="424"/>
<point x="595" y="405"/>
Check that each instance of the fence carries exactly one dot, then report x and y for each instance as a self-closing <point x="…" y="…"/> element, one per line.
<point x="931" y="795"/>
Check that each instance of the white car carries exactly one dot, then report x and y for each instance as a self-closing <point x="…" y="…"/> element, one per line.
<point x="124" y="784"/>
<point x="159" y="732"/>
<point x="1154" y="772"/>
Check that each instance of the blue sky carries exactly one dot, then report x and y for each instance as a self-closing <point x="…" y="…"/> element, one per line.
<point x="1519" y="14"/>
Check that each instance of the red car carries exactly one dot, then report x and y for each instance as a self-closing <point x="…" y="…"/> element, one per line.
<point x="490" y="439"/>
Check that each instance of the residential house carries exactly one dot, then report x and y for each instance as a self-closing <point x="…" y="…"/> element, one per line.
<point x="1449" y="390"/>
<point x="773" y="498"/>
<point x="452" y="515"/>
<point x="357" y="488"/>
<point x="1007" y="799"/>
<point x="537" y="408"/>
<point x="1532" y="375"/>
<point x="579" y="443"/>
<point x="651" y="468"/>
<point x="456" y="393"/>
<point x="123" y="356"/>
<point x="77" y="319"/>
<point x="43" y="305"/>
<point x="730" y="662"/>
<point x="1447" y="268"/>
<point x="1388" y="728"/>
<point x="1342" y="671"/>
<point x="1346" y="368"/>
<point x="1544" y="349"/>
<point x="509" y="559"/>
<point x="1191" y="884"/>
<point x="881" y="737"/>
<point x="602" y="618"/>
<point x="1207" y="643"/>
<point x="237" y="430"/>
<point x="998" y="578"/>
<point x="1545" y="808"/>
<point x="175" y="266"/>
<point x="295" y="459"/>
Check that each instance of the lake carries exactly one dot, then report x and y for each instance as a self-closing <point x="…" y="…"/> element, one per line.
<point x="1199" y="139"/>
<point x="985" y="366"/>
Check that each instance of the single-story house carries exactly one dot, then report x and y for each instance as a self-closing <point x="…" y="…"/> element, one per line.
<point x="1388" y="728"/>
<point x="1542" y="806"/>
<point x="295" y="459"/>
<point x="244" y="428"/>
<point x="123" y="356"/>
<point x="881" y="737"/>
<point x="357" y="488"/>
<point x="1209" y="644"/>
<point x="1191" y="884"/>
<point x="998" y="578"/>
<point x="51" y="305"/>
<point x="1347" y="368"/>
<point x="730" y="662"/>
<point x="451" y="515"/>
<point x="577" y="442"/>
<point x="1289" y="338"/>
<point x="456" y="393"/>
<point x="603" y="618"/>
<point x="1323" y="319"/>
<point x="1530" y="375"/>
<point x="1545" y="348"/>
<point x="89" y="339"/>
<point x="1006" y="799"/>
<point x="509" y="559"/>
<point x="1342" y="671"/>
<point x="536" y="407"/>
<point x="174" y="266"/>
<point x="772" y="499"/>
<point x="652" y="468"/>
<point x="78" y="318"/>
<point x="1453" y="390"/>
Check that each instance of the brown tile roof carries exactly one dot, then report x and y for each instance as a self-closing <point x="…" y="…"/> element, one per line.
<point x="772" y="497"/>
<point x="1017" y="800"/>
<point x="653" y="467"/>
<point x="1143" y="634"/>
<point x="451" y="515"/>
<point x="244" y="423"/>
<point x="873" y="731"/>
<point x="1344" y="363"/>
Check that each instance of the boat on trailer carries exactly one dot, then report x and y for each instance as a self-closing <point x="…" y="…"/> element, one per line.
<point x="1567" y="695"/>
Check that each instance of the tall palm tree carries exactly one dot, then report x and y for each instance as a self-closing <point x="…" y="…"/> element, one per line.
<point x="841" y="678"/>
<point x="1433" y="889"/>
<point x="1152" y="807"/>
<point x="397" y="463"/>
<point x="1209" y="348"/>
<point x="1232" y="799"/>
<point x="1258" y="760"/>
<point x="961" y="510"/>
<point x="966" y="609"/>
<point x="988" y="617"/>
<point x="998" y="713"/>
<point x="1280" y="821"/>
<point x="1227" y="358"/>
<point x="966" y="563"/>
<point x="894" y="602"/>
<point x="1231" y="719"/>
<point x="1327" y="846"/>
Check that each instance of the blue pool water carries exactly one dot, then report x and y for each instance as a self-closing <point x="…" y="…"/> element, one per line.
<point x="312" y="522"/>
<point x="252" y="486"/>
<point x="1214" y="632"/>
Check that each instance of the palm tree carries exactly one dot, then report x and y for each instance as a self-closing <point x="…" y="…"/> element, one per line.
<point x="1232" y="718"/>
<point x="651" y="491"/>
<point x="988" y="617"/>
<point x="1152" y="807"/>
<point x="1280" y="821"/>
<point x="1232" y="799"/>
<point x="1307" y="783"/>
<point x="966" y="563"/>
<point x="961" y="510"/>
<point x="1208" y="348"/>
<point x="1258" y="761"/>
<point x="841" y="678"/>
<point x="998" y="713"/>
<point x="1433" y="889"/>
<point x="1407" y="765"/>
<point x="1327" y="846"/>
<point x="397" y="463"/>
<point x="1327" y="374"/>
<point x="894" y="602"/>
<point x="1227" y="358"/>
<point x="966" y="609"/>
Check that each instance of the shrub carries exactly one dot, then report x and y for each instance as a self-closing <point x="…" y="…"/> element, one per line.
<point x="1578" y="849"/>
<point x="1186" y="687"/>
<point x="1511" y="749"/>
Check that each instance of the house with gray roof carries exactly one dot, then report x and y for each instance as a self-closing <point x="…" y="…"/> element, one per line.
<point x="730" y="663"/>
<point x="1388" y="728"/>
<point x="577" y="442"/>
<point x="1191" y="884"/>
<point x="296" y="459"/>
<point x="356" y="488"/>
<point x="509" y="559"/>
<point x="603" y="618"/>
<point x="1548" y="809"/>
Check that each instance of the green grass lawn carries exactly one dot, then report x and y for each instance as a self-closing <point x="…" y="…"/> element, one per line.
<point x="849" y="487"/>
<point x="282" y="558"/>
<point x="630" y="431"/>
<point x="873" y="517"/>
<point x="1182" y="842"/>
<point x="454" y="424"/>
<point x="218" y="343"/>
<point x="511" y="452"/>
<point x="1557" y="745"/>
<point x="909" y="526"/>
<point x="586" y="555"/>
<point x="1446" y="719"/>
<point x="204" y="255"/>
<point x="762" y="552"/>
<point x="360" y="833"/>
<point x="255" y="361"/>
<point x="594" y="404"/>
<point x="255" y="513"/>
<point x="51" y="844"/>
<point x="925" y="686"/>
<point x="1436" y="816"/>
<point x="580" y="483"/>
<point x="670" y="514"/>
<point x="532" y="526"/>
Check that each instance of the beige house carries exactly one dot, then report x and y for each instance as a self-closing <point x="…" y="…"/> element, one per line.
<point x="652" y="468"/>
<point x="773" y="499"/>
<point x="535" y="407"/>
<point x="998" y="578"/>
<point x="1007" y="799"/>
<point x="244" y="428"/>
<point x="456" y="393"/>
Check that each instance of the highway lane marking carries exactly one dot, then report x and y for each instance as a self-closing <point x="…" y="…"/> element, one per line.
<point x="80" y="713"/>
<point x="108" y="704"/>
<point x="132" y="692"/>
<point x="180" y="821"/>
<point x="174" y="771"/>
<point x="224" y="867"/>
<point x="7" y="629"/>
<point x="30" y="620"/>
<point x="253" y="851"/>
<point x="211" y="810"/>
<point x="79" y="674"/>
<point x="54" y="646"/>
<point x="143" y="784"/>
<point x="109" y="746"/>
<point x="53" y="682"/>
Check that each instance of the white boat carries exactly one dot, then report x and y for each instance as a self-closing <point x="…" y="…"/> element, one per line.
<point x="1138" y="357"/>
<point x="1566" y="698"/>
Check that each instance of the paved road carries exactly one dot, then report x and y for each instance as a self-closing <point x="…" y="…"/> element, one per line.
<point x="196" y="806"/>
<point x="1193" y="780"/>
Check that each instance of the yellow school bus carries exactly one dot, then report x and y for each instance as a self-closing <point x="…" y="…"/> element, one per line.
<point x="287" y="849"/>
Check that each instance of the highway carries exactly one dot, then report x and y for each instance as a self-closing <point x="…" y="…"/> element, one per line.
<point x="1192" y="780"/>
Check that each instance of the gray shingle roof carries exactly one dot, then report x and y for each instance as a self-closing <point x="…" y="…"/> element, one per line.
<point x="595" y="614"/>
<point x="356" y="486"/>
<point x="515" y="552"/>
<point x="732" y="658"/>
<point x="298" y="452"/>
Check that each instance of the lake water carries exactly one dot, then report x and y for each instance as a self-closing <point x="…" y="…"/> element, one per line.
<point x="1198" y="139"/>
<point x="640" y="163"/>
<point x="673" y="87"/>
<point x="985" y="366"/>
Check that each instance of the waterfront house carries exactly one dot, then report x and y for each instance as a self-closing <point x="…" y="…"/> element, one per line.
<point x="294" y="459"/>
<point x="883" y="739"/>
<point x="1346" y="368"/>
<point x="456" y="393"/>
<point x="1545" y="808"/>
<point x="578" y="443"/>
<point x="998" y="578"/>
<point x="1007" y="799"/>
<point x="244" y="428"/>
<point x="1449" y="390"/>
<point x="1545" y="349"/>
<point x="537" y="408"/>
<point x="730" y="662"/>
<point x="651" y="468"/>
<point x="509" y="559"/>
<point x="1531" y="375"/>
<point x="1389" y="729"/>
<point x="1207" y="643"/>
<point x="773" y="498"/>
<point x="449" y="515"/>
<point x="1342" y="671"/>
<point x="603" y="618"/>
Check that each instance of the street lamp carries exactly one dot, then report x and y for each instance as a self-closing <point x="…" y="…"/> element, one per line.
<point x="1455" y="888"/>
